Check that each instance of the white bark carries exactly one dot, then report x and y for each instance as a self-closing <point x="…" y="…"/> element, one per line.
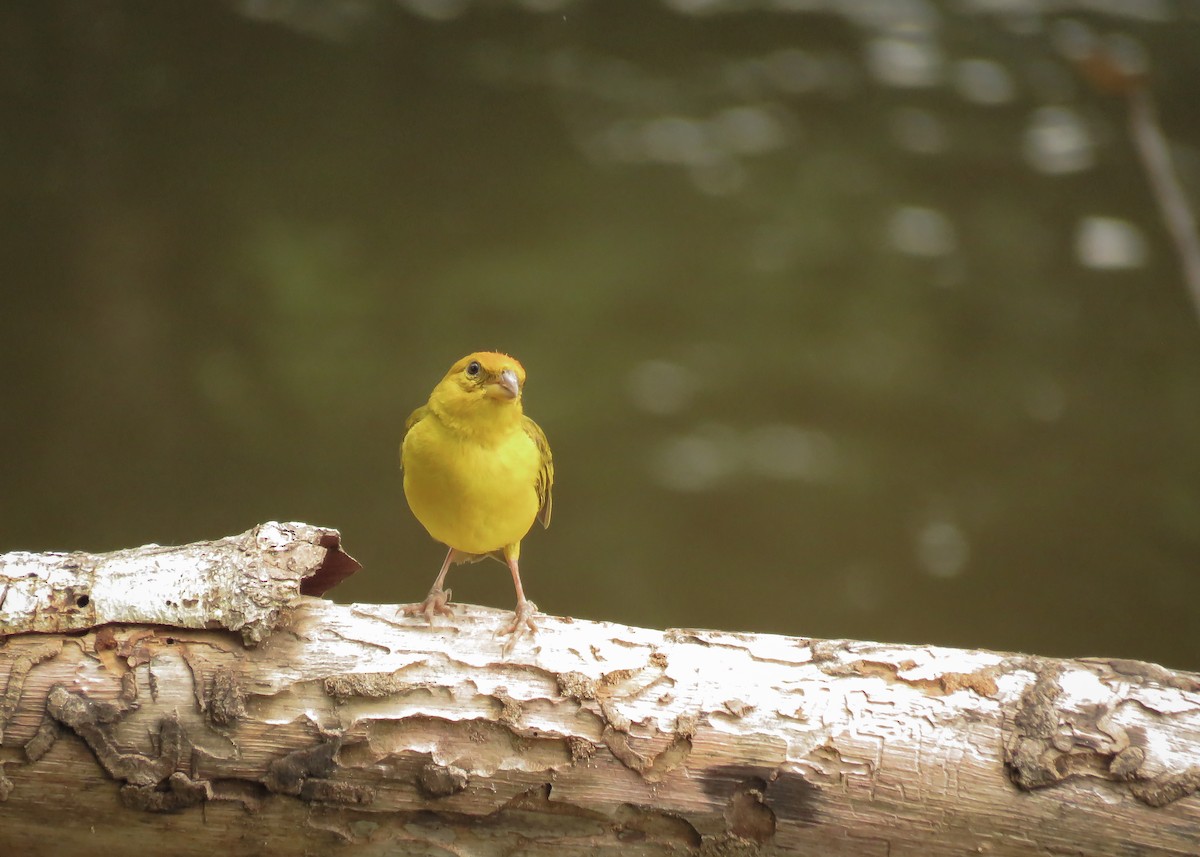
<point x="241" y="583"/>
<point x="351" y="728"/>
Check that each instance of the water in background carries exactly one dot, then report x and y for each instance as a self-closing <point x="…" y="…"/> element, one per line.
<point x="844" y="319"/>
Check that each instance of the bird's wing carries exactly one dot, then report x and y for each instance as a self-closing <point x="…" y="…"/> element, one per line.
<point x="413" y="418"/>
<point x="545" y="474"/>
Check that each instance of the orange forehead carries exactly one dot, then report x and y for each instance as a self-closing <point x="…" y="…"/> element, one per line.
<point x="493" y="363"/>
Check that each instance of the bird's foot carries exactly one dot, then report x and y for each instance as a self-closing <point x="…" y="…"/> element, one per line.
<point x="522" y="621"/>
<point x="436" y="603"/>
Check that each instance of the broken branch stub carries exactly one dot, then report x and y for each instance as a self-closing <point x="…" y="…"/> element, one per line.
<point x="240" y="583"/>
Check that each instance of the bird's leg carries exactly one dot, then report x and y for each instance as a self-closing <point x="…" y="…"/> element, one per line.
<point x="437" y="601"/>
<point x="523" y="615"/>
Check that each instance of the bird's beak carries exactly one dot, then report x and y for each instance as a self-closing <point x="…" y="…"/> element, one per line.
<point x="506" y="386"/>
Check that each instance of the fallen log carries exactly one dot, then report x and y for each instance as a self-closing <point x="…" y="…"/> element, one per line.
<point x="289" y="725"/>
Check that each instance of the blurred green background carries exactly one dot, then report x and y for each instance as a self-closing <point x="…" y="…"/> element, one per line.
<point x="845" y="319"/>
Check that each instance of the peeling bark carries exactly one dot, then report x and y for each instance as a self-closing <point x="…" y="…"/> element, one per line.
<point x="240" y="583"/>
<point x="351" y="728"/>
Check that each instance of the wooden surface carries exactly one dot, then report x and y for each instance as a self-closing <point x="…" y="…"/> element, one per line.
<point x="352" y="730"/>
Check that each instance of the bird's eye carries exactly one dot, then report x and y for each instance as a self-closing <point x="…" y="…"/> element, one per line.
<point x="473" y="369"/>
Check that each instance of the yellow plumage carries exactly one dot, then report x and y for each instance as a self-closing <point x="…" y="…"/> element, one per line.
<point x="477" y="471"/>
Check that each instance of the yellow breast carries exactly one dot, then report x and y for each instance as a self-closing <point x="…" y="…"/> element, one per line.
<point x="472" y="497"/>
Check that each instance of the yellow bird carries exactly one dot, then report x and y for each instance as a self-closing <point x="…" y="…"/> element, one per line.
<point x="477" y="473"/>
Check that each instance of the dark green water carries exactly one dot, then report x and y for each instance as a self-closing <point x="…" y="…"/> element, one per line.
<point x="843" y="319"/>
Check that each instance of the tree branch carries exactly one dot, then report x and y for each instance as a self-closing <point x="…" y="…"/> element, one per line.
<point x="350" y="724"/>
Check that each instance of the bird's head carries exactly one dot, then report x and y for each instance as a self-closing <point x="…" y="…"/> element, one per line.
<point x="482" y="385"/>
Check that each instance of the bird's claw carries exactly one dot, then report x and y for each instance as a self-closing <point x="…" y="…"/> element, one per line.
<point x="436" y="603"/>
<point x="522" y="620"/>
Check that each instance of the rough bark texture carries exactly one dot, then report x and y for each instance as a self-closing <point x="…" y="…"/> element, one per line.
<point x="239" y="583"/>
<point x="351" y="730"/>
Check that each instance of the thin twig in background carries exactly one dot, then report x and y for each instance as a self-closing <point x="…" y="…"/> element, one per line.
<point x="1168" y="191"/>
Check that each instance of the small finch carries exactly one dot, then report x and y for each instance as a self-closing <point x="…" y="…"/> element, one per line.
<point x="477" y="473"/>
